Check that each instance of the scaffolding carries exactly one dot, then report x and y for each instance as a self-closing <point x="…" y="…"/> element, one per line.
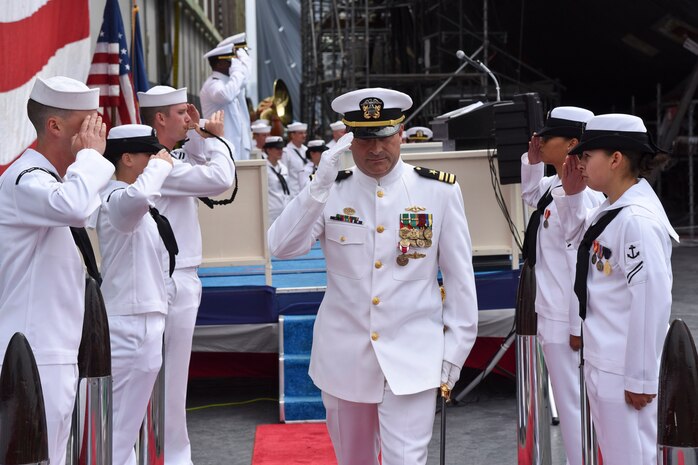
<point x="409" y="46"/>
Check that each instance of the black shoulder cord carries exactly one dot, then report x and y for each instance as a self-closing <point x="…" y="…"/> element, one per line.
<point x="209" y="202"/>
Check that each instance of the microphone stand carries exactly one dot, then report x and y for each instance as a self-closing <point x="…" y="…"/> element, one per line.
<point x="482" y="67"/>
<point x="440" y="88"/>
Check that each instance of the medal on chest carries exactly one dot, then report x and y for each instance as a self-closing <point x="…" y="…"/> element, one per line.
<point x="415" y="231"/>
<point x="600" y="258"/>
<point x="546" y="215"/>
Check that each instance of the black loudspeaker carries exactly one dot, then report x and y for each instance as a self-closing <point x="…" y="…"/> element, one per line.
<point x="514" y="123"/>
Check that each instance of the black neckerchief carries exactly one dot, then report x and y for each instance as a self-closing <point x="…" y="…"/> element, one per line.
<point x="580" y="278"/>
<point x="531" y="237"/>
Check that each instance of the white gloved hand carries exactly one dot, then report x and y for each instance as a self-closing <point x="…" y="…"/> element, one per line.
<point x="449" y="374"/>
<point x="237" y="65"/>
<point x="329" y="166"/>
<point x="244" y="58"/>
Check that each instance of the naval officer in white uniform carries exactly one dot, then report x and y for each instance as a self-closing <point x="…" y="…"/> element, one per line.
<point x="203" y="167"/>
<point x="383" y="340"/>
<point x="42" y="283"/>
<point x="225" y="90"/>
<point x="557" y="308"/>
<point x="135" y="265"/>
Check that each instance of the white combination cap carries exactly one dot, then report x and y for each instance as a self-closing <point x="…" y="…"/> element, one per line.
<point x="261" y="126"/>
<point x="162" y="96"/>
<point x="419" y="134"/>
<point x="294" y="127"/>
<point x="374" y="112"/>
<point x="227" y="46"/>
<point x="337" y="126"/>
<point x="616" y="131"/>
<point x="64" y="93"/>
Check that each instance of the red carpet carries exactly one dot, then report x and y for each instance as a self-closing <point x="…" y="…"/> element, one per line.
<point x="293" y="444"/>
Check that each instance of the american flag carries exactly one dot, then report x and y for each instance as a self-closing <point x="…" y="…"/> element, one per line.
<point x="111" y="71"/>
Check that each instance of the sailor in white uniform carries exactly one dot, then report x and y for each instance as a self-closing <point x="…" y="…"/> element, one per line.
<point x="279" y="194"/>
<point x="203" y="167"/>
<point x="46" y="191"/>
<point x="294" y="155"/>
<point x="313" y="154"/>
<point x="225" y="90"/>
<point x="338" y="130"/>
<point x="557" y="307"/>
<point x="135" y="264"/>
<point x="623" y="280"/>
<point x="260" y="131"/>
<point x="384" y="340"/>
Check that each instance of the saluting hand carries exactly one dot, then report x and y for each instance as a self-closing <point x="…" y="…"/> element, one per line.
<point x="194" y="116"/>
<point x="92" y="135"/>
<point x="534" y="149"/>
<point x="327" y="170"/>
<point x="214" y="125"/>
<point x="639" y="401"/>
<point x="572" y="180"/>
<point x="162" y="155"/>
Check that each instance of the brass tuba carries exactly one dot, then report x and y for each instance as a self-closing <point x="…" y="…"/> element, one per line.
<point x="278" y="104"/>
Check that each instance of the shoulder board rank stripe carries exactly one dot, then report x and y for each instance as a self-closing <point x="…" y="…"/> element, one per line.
<point x="35" y="168"/>
<point x="342" y="175"/>
<point x="443" y="176"/>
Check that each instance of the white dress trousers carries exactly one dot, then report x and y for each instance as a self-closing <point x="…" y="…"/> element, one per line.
<point x="399" y="428"/>
<point x="136" y="357"/>
<point x="625" y="435"/>
<point x="179" y="331"/>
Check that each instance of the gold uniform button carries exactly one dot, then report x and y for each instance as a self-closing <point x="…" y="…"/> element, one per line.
<point x="379" y="194"/>
<point x="380" y="228"/>
<point x="378" y="264"/>
<point x="374" y="336"/>
<point x="342" y="239"/>
<point x="376" y="301"/>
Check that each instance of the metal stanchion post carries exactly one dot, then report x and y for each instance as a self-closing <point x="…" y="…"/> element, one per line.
<point x="150" y="448"/>
<point x="590" y="447"/>
<point x="533" y="429"/>
<point x="94" y="436"/>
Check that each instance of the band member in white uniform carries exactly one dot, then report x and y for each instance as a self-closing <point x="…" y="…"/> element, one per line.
<point x="623" y="280"/>
<point x="556" y="305"/>
<point x="225" y="90"/>
<point x="203" y="167"/>
<point x="279" y="194"/>
<point x="294" y="156"/>
<point x="338" y="130"/>
<point x="383" y="340"/>
<point x="135" y="264"/>
<point x="46" y="191"/>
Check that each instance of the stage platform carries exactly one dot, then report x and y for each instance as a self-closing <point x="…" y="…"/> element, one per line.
<point x="237" y="326"/>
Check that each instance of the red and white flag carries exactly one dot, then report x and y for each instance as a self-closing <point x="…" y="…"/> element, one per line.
<point x="37" y="38"/>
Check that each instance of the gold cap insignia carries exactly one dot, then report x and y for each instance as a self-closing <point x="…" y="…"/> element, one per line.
<point x="371" y="107"/>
